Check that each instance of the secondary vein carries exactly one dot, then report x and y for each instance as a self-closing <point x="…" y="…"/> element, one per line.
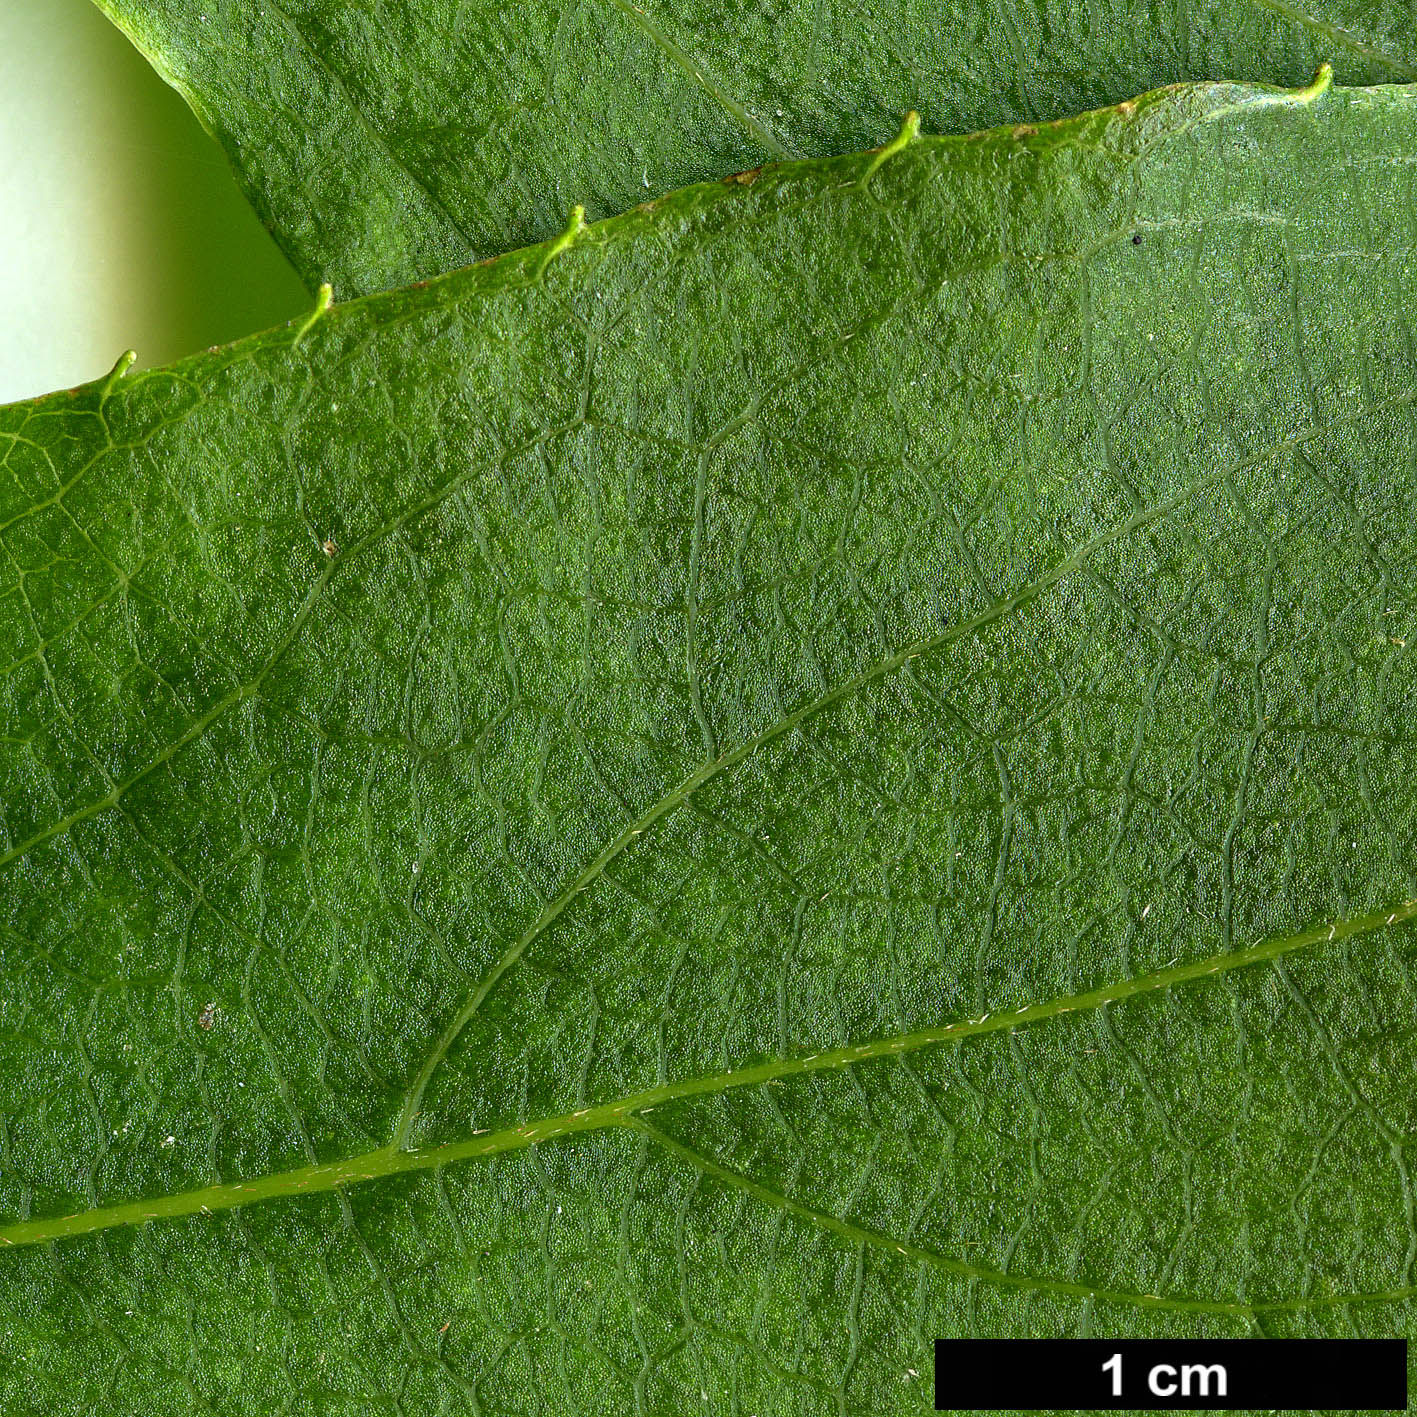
<point x="698" y="71"/>
<point x="707" y="771"/>
<point x="628" y="1110"/>
<point x="1337" y="35"/>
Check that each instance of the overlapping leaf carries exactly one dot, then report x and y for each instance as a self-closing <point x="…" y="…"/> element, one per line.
<point x="387" y="142"/>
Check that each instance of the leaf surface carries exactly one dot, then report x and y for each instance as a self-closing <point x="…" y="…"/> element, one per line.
<point x="650" y="825"/>
<point x="387" y="142"/>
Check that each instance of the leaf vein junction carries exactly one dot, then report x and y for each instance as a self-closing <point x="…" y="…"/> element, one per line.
<point x="707" y="771"/>
<point x="630" y="1110"/>
<point x="964" y="1269"/>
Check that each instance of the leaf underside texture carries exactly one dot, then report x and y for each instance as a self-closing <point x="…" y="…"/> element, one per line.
<point x="647" y="826"/>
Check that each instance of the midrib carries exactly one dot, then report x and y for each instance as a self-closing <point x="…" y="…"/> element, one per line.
<point x="388" y="1161"/>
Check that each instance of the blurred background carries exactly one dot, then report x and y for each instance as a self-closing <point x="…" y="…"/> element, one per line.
<point x="120" y="222"/>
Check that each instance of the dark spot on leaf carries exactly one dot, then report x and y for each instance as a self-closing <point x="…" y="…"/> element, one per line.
<point x="1136" y="239"/>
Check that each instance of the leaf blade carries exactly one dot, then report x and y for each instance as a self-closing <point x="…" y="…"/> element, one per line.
<point x="1065" y="666"/>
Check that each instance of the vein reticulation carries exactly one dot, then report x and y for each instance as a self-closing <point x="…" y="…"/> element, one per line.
<point x="841" y="608"/>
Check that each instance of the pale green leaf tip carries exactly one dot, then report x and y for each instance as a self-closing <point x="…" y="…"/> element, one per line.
<point x="124" y="363"/>
<point x="1322" y="82"/>
<point x="909" y="132"/>
<point x="574" y="226"/>
<point x="324" y="298"/>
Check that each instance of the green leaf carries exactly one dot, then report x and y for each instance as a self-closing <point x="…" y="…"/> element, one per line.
<point x="385" y="143"/>
<point x="650" y="825"/>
